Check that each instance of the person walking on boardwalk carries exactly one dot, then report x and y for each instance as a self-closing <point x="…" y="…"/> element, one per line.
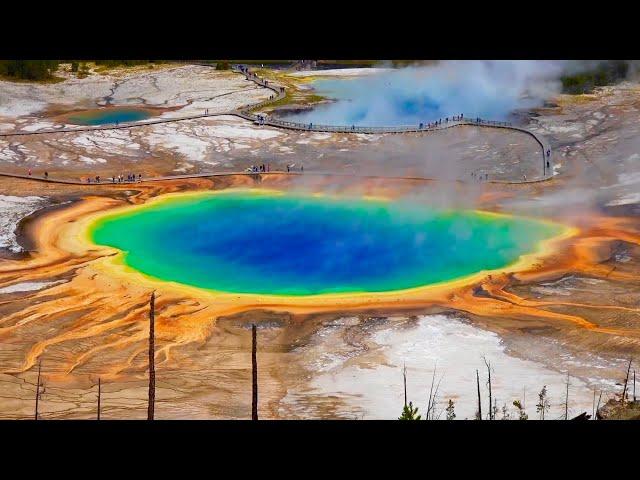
<point x="46" y="175"/>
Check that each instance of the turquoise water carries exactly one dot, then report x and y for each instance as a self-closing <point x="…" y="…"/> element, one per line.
<point x="256" y="242"/>
<point x="109" y="115"/>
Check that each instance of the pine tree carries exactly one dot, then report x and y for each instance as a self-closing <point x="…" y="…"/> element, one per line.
<point x="522" y="415"/>
<point x="543" y="404"/>
<point x="410" y="413"/>
<point x="451" y="414"/>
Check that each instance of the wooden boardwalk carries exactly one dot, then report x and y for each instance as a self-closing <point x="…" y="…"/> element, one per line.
<point x="108" y="182"/>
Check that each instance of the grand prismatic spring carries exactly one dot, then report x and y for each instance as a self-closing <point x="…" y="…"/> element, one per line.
<point x="276" y="243"/>
<point x="354" y="253"/>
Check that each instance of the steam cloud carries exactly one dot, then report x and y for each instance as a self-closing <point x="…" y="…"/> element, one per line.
<point x="490" y="89"/>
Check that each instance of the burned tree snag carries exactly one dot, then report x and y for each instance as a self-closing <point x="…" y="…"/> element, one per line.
<point x="488" y="364"/>
<point x="254" y="373"/>
<point x="152" y="367"/>
<point x="404" y="380"/>
<point x="38" y="389"/>
<point x="566" y="400"/>
<point x="479" y="399"/>
<point x="626" y="381"/>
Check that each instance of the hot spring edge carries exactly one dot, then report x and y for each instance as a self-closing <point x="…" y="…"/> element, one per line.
<point x="254" y="251"/>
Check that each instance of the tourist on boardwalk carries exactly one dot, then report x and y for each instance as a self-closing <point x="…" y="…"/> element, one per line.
<point x="302" y="168"/>
<point x="46" y="175"/>
<point x="287" y="168"/>
<point x="29" y="172"/>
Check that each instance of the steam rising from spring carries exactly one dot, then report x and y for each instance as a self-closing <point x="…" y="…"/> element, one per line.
<point x="490" y="89"/>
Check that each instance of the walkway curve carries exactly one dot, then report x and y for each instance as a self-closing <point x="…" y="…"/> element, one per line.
<point x="245" y="113"/>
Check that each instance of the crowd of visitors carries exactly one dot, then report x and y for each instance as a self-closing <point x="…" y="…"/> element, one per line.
<point x="437" y="123"/>
<point x="130" y="177"/>
<point x="479" y="176"/>
<point x="259" y="168"/>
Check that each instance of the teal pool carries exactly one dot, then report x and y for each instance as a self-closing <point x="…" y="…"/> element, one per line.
<point x="109" y="115"/>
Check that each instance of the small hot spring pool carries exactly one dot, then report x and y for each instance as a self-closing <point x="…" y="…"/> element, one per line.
<point x="109" y="115"/>
<point x="267" y="242"/>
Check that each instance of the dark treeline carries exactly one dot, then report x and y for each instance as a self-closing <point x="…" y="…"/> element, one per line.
<point x="605" y="73"/>
<point x="28" y="69"/>
<point x="124" y="63"/>
<point x="42" y="70"/>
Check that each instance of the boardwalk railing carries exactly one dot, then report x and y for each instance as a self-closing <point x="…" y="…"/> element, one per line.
<point x="362" y="129"/>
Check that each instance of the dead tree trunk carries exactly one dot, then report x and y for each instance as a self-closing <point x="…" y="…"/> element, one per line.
<point x="566" y="400"/>
<point x="254" y="373"/>
<point x="404" y="379"/>
<point x="152" y="355"/>
<point x="626" y="381"/>
<point x="38" y="390"/>
<point x="488" y="364"/>
<point x="99" y="392"/>
<point x="479" y="400"/>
